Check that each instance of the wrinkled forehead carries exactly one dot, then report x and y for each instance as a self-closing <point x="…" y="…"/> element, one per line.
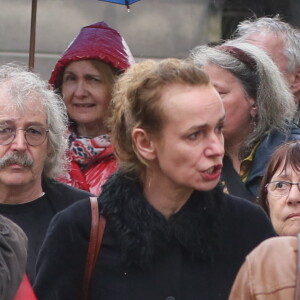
<point x="14" y="103"/>
<point x="265" y="38"/>
<point x="271" y="42"/>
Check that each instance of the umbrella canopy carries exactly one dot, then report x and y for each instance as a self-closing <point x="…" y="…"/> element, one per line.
<point x="123" y="2"/>
<point x="33" y="26"/>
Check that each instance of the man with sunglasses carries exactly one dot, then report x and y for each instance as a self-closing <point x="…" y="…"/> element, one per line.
<point x="32" y="153"/>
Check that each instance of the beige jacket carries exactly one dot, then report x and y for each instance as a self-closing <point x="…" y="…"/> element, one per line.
<point x="269" y="272"/>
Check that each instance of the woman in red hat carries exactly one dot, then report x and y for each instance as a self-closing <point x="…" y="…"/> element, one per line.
<point x="85" y="76"/>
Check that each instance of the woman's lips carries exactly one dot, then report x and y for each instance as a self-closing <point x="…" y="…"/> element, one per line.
<point x="212" y="173"/>
<point x="84" y="105"/>
<point x="294" y="215"/>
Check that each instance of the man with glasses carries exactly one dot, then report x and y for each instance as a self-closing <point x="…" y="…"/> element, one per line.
<point x="32" y="153"/>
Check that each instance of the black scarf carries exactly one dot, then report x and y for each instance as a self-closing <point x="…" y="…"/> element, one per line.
<point x="144" y="233"/>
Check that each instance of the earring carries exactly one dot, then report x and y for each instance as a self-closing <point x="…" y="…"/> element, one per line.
<point x="253" y="122"/>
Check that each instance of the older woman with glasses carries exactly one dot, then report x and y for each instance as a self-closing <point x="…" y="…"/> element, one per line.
<point x="270" y="270"/>
<point x="280" y="189"/>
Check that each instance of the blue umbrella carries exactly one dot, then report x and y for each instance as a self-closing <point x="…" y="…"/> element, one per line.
<point x="123" y="2"/>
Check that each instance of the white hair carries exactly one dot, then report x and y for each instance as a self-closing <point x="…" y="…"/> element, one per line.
<point x="289" y="34"/>
<point x="22" y="86"/>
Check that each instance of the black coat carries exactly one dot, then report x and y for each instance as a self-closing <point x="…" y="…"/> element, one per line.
<point x="34" y="217"/>
<point x="193" y="255"/>
<point x="61" y="195"/>
<point x="250" y="188"/>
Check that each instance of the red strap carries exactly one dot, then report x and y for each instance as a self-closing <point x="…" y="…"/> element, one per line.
<point x="25" y="291"/>
<point x="96" y="234"/>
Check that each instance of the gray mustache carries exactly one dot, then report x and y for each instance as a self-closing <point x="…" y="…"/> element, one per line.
<point x="16" y="158"/>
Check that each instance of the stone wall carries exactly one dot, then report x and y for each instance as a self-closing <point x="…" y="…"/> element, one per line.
<point x="152" y="29"/>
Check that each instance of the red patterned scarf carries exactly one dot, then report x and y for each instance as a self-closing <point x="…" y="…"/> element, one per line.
<point x="85" y="150"/>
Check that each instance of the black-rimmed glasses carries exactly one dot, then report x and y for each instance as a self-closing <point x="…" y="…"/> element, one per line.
<point x="34" y="135"/>
<point x="281" y="188"/>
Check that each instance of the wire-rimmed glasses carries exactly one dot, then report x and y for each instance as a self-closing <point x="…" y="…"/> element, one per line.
<point x="34" y="135"/>
<point x="280" y="188"/>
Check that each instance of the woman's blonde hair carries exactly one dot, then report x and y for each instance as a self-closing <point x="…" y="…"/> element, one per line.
<point x="136" y="103"/>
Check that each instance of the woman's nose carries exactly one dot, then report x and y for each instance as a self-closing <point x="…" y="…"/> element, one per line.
<point x="294" y="194"/>
<point x="80" y="89"/>
<point x="215" y="146"/>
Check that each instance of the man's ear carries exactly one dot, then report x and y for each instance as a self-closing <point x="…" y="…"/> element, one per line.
<point x="143" y="143"/>
<point x="295" y="86"/>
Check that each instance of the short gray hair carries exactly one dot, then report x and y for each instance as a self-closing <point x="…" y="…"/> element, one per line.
<point x="290" y="35"/>
<point x="21" y="85"/>
<point x="264" y="83"/>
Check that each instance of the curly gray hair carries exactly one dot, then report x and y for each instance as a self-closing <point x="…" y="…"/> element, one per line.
<point x="264" y="83"/>
<point x="21" y="85"/>
<point x="290" y="35"/>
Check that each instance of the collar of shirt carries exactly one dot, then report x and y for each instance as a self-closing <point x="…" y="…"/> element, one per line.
<point x="246" y="163"/>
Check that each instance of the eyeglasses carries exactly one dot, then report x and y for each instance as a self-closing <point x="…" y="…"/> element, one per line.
<point x="280" y="188"/>
<point x="34" y="135"/>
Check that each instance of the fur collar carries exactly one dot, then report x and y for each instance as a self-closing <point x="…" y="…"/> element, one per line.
<point x="144" y="233"/>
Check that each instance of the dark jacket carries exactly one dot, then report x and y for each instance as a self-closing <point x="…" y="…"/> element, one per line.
<point x="61" y="195"/>
<point x="193" y="255"/>
<point x="34" y="217"/>
<point x="263" y="153"/>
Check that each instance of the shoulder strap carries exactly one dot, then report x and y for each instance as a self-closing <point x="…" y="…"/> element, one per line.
<point x="96" y="234"/>
<point x="297" y="288"/>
